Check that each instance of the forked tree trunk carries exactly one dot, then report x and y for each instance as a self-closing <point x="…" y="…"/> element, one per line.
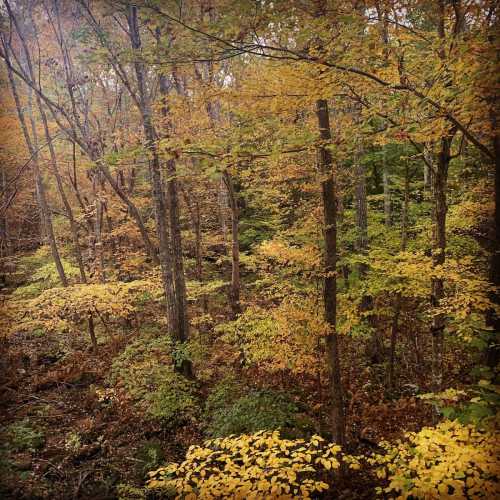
<point x="170" y="247"/>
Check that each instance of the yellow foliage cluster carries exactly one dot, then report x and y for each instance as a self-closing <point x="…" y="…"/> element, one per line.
<point x="260" y="465"/>
<point x="450" y="460"/>
<point x="304" y="258"/>
<point x="296" y="327"/>
<point x="61" y="309"/>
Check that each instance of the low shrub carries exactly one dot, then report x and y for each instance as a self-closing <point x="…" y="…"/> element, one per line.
<point x="450" y="460"/>
<point x="256" y="411"/>
<point x="144" y="374"/>
<point x="22" y="436"/>
<point x="261" y="465"/>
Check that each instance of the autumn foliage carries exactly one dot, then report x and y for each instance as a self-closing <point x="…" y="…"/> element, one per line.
<point x="249" y="249"/>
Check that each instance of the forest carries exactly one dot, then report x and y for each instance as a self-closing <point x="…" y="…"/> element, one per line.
<point x="249" y="249"/>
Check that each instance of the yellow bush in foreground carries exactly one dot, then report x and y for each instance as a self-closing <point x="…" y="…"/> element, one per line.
<point x="450" y="460"/>
<point x="260" y="465"/>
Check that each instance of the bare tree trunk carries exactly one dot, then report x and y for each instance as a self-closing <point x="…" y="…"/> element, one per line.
<point x="387" y="192"/>
<point x="394" y="338"/>
<point x="397" y="311"/>
<point x="404" y="214"/>
<point x="235" y="247"/>
<point x="99" y="247"/>
<point x="176" y="240"/>
<point x="493" y="317"/>
<point x="62" y="194"/>
<point x="4" y="229"/>
<point x="439" y="186"/>
<point x="427" y="175"/>
<point x="361" y="211"/>
<point x="330" y="280"/>
<point x="32" y="148"/>
<point x="170" y="241"/>
<point x="194" y="214"/>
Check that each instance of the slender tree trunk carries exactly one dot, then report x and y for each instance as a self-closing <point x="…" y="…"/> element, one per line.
<point x="427" y="175"/>
<point x="398" y="299"/>
<point x="4" y="229"/>
<point x="235" y="247"/>
<point x="62" y="194"/>
<point x="361" y="210"/>
<point x="194" y="214"/>
<point x="439" y="186"/>
<point x="175" y="237"/>
<point x="404" y="214"/>
<point x="170" y="248"/>
<point x="394" y="338"/>
<point x="387" y="191"/>
<point x="99" y="247"/>
<point x="330" y="280"/>
<point x="32" y="145"/>
<point x="493" y="318"/>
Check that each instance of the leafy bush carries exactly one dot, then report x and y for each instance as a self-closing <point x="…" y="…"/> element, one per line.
<point x="128" y="492"/>
<point x="73" y="442"/>
<point x="478" y="405"/>
<point x="262" y="465"/>
<point x="150" y="455"/>
<point x="223" y="395"/>
<point x="449" y="460"/>
<point x="63" y="309"/>
<point x="39" y="273"/>
<point x="255" y="411"/>
<point x="22" y="436"/>
<point x="144" y="373"/>
<point x="295" y="325"/>
<point x="174" y="401"/>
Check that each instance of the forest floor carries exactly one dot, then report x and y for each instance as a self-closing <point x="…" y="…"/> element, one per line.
<point x="86" y="446"/>
<point x="82" y="447"/>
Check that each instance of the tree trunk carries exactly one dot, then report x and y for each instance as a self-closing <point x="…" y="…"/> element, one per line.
<point x="493" y="318"/>
<point x="235" y="247"/>
<point x="394" y="338"/>
<point x="387" y="192"/>
<point x="62" y="194"/>
<point x="176" y="238"/>
<point x="32" y="145"/>
<point x="170" y="248"/>
<point x="99" y="214"/>
<point x="361" y="210"/>
<point x="439" y="186"/>
<point x="330" y="280"/>
<point x="194" y="214"/>
<point x="404" y="214"/>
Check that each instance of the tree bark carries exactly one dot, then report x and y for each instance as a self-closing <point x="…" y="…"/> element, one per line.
<point x="493" y="318"/>
<point x="31" y="144"/>
<point x="387" y="192"/>
<point x="439" y="183"/>
<point x="62" y="194"/>
<point x="170" y="248"/>
<point x="404" y="214"/>
<point x="235" y="246"/>
<point x="361" y="210"/>
<point x="330" y="260"/>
